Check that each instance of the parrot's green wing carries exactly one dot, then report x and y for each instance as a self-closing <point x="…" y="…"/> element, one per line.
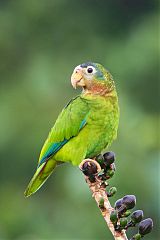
<point x="69" y="123"/>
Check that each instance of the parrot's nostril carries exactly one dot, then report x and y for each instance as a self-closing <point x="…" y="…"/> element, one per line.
<point x="77" y="70"/>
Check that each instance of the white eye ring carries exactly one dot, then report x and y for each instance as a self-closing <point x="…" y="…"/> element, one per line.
<point x="90" y="70"/>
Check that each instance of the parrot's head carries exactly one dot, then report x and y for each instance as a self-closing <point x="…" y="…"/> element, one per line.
<point x="92" y="76"/>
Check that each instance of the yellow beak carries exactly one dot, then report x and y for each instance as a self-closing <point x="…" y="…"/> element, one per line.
<point x="77" y="78"/>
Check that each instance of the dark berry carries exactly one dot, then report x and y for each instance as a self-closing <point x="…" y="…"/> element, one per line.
<point x="118" y="204"/>
<point x="129" y="201"/>
<point x="109" y="158"/>
<point x="137" y="216"/>
<point x="145" y="226"/>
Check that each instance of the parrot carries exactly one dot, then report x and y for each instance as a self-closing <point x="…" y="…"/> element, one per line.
<point x="86" y="126"/>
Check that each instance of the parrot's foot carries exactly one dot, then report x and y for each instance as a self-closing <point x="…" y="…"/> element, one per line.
<point x="90" y="168"/>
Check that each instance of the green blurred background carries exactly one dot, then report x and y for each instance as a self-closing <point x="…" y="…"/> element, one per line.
<point x="41" y="41"/>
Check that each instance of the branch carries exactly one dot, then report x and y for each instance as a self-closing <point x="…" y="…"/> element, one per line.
<point x="98" y="189"/>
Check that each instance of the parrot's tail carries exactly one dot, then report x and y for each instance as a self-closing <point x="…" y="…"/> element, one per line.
<point x="40" y="176"/>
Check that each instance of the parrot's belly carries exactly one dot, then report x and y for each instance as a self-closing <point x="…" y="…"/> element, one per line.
<point x="99" y="143"/>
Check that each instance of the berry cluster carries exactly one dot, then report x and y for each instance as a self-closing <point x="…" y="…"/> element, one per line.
<point x="106" y="161"/>
<point x="122" y="218"/>
<point x="103" y="168"/>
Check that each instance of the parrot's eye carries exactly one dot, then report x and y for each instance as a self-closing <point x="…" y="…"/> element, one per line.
<point x="90" y="69"/>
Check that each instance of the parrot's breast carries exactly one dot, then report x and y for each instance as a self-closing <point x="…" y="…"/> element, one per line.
<point x="102" y="125"/>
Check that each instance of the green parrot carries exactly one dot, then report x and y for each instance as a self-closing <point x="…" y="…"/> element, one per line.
<point x="86" y="125"/>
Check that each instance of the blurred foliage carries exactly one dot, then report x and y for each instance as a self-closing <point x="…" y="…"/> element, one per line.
<point x="41" y="41"/>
